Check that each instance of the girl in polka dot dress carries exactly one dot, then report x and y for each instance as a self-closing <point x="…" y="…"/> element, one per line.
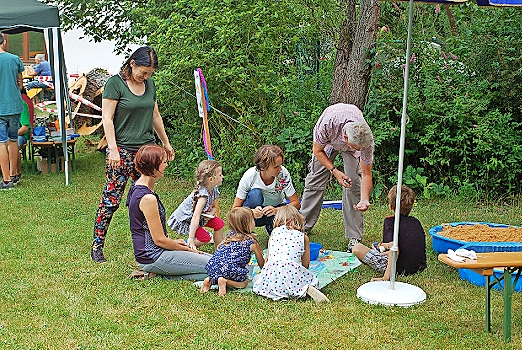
<point x="227" y="267"/>
<point x="285" y="273"/>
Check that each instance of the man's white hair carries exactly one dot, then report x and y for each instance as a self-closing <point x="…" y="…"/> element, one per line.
<point x="39" y="57"/>
<point x="358" y="133"/>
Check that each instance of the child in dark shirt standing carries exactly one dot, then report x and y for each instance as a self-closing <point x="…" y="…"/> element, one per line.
<point x="412" y="241"/>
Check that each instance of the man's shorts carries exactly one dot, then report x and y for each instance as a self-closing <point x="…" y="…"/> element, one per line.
<point x="376" y="260"/>
<point x="215" y="223"/>
<point x="9" y="125"/>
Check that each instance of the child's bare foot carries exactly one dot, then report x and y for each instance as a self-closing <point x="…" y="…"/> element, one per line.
<point x="206" y="285"/>
<point x="222" y="284"/>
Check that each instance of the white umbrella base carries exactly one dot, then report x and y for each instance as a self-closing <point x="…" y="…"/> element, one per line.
<point x="404" y="295"/>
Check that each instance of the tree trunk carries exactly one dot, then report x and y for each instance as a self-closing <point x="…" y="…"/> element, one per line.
<point x="452" y="22"/>
<point x="90" y="87"/>
<point x="356" y="40"/>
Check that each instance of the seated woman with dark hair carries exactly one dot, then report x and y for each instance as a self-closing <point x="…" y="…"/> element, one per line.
<point x="265" y="187"/>
<point x="155" y="252"/>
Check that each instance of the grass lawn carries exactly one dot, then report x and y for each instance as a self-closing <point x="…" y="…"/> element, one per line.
<point x="54" y="297"/>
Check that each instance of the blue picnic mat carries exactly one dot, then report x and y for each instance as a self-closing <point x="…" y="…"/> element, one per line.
<point x="329" y="266"/>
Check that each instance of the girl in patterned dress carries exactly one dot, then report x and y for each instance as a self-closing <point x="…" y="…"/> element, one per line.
<point x="198" y="210"/>
<point x="285" y="273"/>
<point x="227" y="267"/>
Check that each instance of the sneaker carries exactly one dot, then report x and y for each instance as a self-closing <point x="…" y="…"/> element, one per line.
<point x="351" y="243"/>
<point x="16" y="179"/>
<point x="6" y="185"/>
<point x="316" y="294"/>
<point x="97" y="252"/>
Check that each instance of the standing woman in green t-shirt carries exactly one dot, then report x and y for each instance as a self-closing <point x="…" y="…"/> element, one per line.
<point x="130" y="116"/>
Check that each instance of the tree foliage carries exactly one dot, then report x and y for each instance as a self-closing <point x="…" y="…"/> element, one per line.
<point x="463" y="108"/>
<point x="249" y="58"/>
<point x="103" y="20"/>
<point x="262" y="62"/>
<point x="272" y="67"/>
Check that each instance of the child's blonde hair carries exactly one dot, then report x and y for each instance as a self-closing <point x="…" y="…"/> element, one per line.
<point x="289" y="216"/>
<point x="204" y="171"/>
<point x="239" y="220"/>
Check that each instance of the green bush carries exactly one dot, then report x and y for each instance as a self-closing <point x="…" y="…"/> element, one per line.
<point x="269" y="69"/>
<point x="460" y="132"/>
<point x="263" y="76"/>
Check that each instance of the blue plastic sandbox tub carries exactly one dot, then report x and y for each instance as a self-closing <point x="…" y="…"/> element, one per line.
<point x="441" y="244"/>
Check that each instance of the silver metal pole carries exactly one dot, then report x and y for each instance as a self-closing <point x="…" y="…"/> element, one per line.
<point x="395" y="246"/>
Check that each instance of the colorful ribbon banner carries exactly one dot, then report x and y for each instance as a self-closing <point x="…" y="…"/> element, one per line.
<point x="203" y="109"/>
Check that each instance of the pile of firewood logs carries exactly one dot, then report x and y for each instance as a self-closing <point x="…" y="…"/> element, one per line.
<point x="89" y="86"/>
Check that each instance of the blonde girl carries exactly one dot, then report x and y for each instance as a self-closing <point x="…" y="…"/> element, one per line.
<point x="198" y="210"/>
<point x="227" y="267"/>
<point x="285" y="273"/>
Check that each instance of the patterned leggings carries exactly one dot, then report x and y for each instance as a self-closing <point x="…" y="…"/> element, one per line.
<point x="113" y="192"/>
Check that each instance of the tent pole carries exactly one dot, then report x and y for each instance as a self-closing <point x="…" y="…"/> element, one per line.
<point x="395" y="246"/>
<point x="66" y="104"/>
<point x="59" y="93"/>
